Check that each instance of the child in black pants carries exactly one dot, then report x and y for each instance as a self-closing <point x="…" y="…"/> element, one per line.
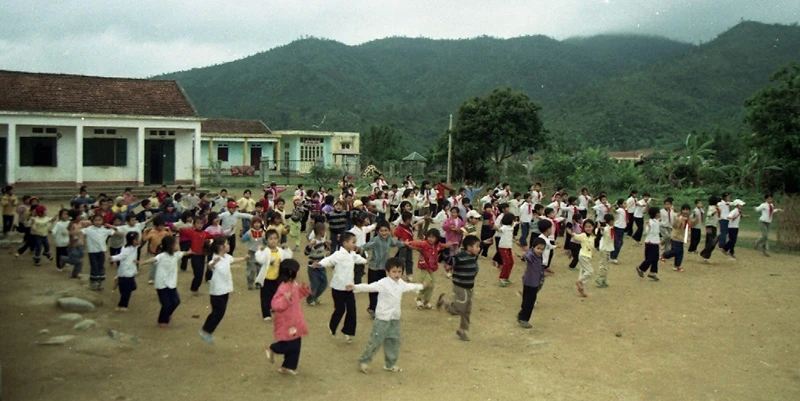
<point x="532" y="281"/>
<point x="126" y="270"/>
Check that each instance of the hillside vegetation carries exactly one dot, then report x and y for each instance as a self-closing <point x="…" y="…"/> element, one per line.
<point x="621" y="91"/>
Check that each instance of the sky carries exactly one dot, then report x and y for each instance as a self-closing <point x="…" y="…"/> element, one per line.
<point x="141" y="38"/>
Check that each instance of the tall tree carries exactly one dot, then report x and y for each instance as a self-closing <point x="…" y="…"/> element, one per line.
<point x="773" y="114"/>
<point x="494" y="128"/>
<point x="381" y="142"/>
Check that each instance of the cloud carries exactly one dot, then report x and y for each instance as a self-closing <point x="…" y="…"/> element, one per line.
<point x="144" y="38"/>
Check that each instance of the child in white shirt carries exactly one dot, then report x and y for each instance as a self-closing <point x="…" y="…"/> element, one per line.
<point x="620" y="225"/>
<point x="766" y="209"/>
<point x="96" y="236"/>
<point x="734" y="218"/>
<point x="127" y="270"/>
<point x="61" y="237"/>
<point x="166" y="278"/>
<point x="504" y="245"/>
<point x="220" y="285"/>
<point x="651" y="246"/>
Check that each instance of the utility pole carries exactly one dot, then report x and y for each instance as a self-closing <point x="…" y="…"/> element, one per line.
<point x="450" y="152"/>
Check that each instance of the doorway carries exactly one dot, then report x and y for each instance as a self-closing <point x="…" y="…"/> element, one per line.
<point x="159" y="162"/>
<point x="255" y="156"/>
<point x="3" y="155"/>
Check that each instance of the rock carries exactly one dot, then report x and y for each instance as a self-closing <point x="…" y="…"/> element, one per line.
<point x="57" y="340"/>
<point x="84" y="325"/>
<point x="44" y="331"/>
<point x="101" y="347"/>
<point x="115" y="334"/>
<point x="70" y="317"/>
<point x="618" y="334"/>
<point x="75" y="304"/>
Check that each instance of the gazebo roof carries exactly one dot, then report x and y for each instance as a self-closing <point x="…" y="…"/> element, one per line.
<point x="414" y="157"/>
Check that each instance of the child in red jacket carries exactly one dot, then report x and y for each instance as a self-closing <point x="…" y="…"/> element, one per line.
<point x="428" y="264"/>
<point x="290" y="325"/>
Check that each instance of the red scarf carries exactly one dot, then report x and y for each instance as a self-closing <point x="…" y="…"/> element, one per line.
<point x="771" y="208"/>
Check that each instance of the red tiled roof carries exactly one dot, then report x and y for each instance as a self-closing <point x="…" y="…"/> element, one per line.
<point x="59" y="93"/>
<point x="230" y="126"/>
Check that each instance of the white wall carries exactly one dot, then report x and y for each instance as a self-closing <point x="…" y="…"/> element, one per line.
<point x="127" y="173"/>
<point x="184" y="151"/>
<point x="65" y="150"/>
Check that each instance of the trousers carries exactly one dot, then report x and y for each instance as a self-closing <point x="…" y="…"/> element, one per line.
<point x="384" y="333"/>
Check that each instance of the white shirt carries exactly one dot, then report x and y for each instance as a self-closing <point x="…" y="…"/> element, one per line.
<point x="711" y="216"/>
<point x="697" y="216"/>
<point x="764" y="208"/>
<point x="343" y="263"/>
<point x="486" y="199"/>
<point x="61" y="233"/>
<point x="550" y="244"/>
<point x="668" y="217"/>
<point x="555" y="206"/>
<point x="641" y="206"/>
<point x="361" y="233"/>
<point x="601" y="209"/>
<point x="513" y="207"/>
<point x="221" y="282"/>
<point x="381" y="205"/>
<point x="498" y="222"/>
<point x="734" y="218"/>
<point x="96" y="238"/>
<point x="438" y="220"/>
<point x="652" y="232"/>
<point x="390" y="295"/>
<point x="506" y="237"/>
<point x="127" y="261"/>
<point x="428" y="197"/>
<point x="167" y="270"/>
<point x="583" y="202"/>
<point x="264" y="258"/>
<point x="125" y="229"/>
<point x="536" y="197"/>
<point x="621" y="221"/>
<point x="630" y="204"/>
<point x="724" y="210"/>
<point x="414" y="220"/>
<point x="525" y="212"/>
<point x="396" y="198"/>
<point x="228" y="220"/>
<point x="607" y="240"/>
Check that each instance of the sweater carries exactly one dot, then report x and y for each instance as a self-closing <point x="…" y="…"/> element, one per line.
<point x="289" y="321"/>
<point x="429" y="255"/>
<point x="465" y="268"/>
<point x="534" y="270"/>
<point x="380" y="250"/>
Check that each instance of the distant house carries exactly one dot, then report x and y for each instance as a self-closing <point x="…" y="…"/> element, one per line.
<point x="72" y="129"/>
<point x="632" y="155"/>
<point x="237" y="143"/>
<point x="298" y="151"/>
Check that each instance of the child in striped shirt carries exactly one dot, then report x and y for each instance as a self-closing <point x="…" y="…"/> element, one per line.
<point x="465" y="269"/>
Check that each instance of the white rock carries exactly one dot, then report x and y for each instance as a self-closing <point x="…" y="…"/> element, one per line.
<point x="71" y="317"/>
<point x="84" y="325"/>
<point x="57" y="340"/>
<point x="74" y="304"/>
<point x="44" y="331"/>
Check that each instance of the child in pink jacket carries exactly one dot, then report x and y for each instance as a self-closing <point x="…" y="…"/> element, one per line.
<point x="290" y="325"/>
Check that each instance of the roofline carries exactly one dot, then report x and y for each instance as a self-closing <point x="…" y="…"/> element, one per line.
<point x="91" y="115"/>
<point x="185" y="96"/>
<point x="313" y="133"/>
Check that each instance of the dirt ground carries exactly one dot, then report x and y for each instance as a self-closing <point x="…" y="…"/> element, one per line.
<point x="725" y="331"/>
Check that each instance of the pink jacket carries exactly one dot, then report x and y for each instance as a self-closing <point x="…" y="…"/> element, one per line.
<point x="289" y="321"/>
<point x="453" y="234"/>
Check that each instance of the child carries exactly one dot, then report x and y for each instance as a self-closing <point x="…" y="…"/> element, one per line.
<point x="630" y="209"/>
<point x="246" y="205"/>
<point x="505" y="243"/>
<point x="652" y="241"/>
<point x="545" y="227"/>
<point x="606" y="246"/>
<point x="453" y="234"/>
<point x="361" y="228"/>
<point x="734" y="217"/>
<point x="668" y="216"/>
<point x="317" y="276"/>
<point x="620" y="225"/>
<point x="76" y="243"/>
<point x="344" y="303"/>
<point x="337" y="223"/>
<point x="697" y="215"/>
<point x="9" y="203"/>
<point x="269" y="258"/>
<point x="586" y="238"/>
<point x="295" y="222"/>
<point x="96" y="237"/>
<point x="680" y="230"/>
<point x="428" y="264"/>
<point x="197" y="238"/>
<point x="154" y="237"/>
<point x="502" y="210"/>
<point x="471" y="226"/>
<point x="638" y="216"/>
<point x="126" y="270"/>
<point x="766" y="209"/>
<point x="40" y="229"/>
<point x="254" y="238"/>
<point x="166" y="280"/>
<point x="380" y="245"/>
<point x="574" y="246"/>
<point x="116" y="242"/>
<point x="290" y="325"/>
<point x="386" y="326"/>
<point x="228" y="220"/>
<point x="712" y="219"/>
<point x="465" y="269"/>
<point x="724" y="209"/>
<point x="532" y="280"/>
<point x="220" y="285"/>
<point x="405" y="232"/>
<point x="525" y="218"/>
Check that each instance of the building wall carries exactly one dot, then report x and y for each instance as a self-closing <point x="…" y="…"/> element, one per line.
<point x="116" y="174"/>
<point x="184" y="151"/>
<point x="236" y="153"/>
<point x="65" y="169"/>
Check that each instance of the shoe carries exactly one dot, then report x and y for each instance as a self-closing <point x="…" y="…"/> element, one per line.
<point x="705" y="261"/>
<point x="449" y="275"/>
<point x="205" y="336"/>
<point x="393" y="369"/>
<point x="348" y="339"/>
<point x="653" y="277"/>
<point x="268" y="319"/>
<point x="100" y="287"/>
<point x="250" y="287"/>
<point x="419" y="303"/>
<point x="37" y="263"/>
<point x="615" y="261"/>
<point x="371" y="313"/>
<point x="317" y="302"/>
<point x="462" y="335"/>
<point x="731" y="256"/>
<point x="428" y="305"/>
<point x="258" y="286"/>
<point x="410" y="279"/>
<point x="640" y="272"/>
<point x="285" y="371"/>
<point x="678" y="269"/>
<point x="48" y="256"/>
<point x="440" y="302"/>
<point x="503" y="283"/>
<point x="600" y="283"/>
<point x="333" y="334"/>
<point x="75" y="276"/>
<point x="725" y="252"/>
<point x="524" y="324"/>
<point x="151" y="282"/>
<point x="269" y="354"/>
<point x="363" y="368"/>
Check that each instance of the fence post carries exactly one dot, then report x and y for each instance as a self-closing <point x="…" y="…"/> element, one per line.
<point x="264" y="169"/>
<point x="218" y="172"/>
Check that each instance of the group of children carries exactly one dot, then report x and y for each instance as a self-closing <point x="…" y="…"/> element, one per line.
<point x="186" y="228"/>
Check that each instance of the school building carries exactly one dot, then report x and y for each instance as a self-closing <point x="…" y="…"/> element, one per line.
<point x="71" y="129"/>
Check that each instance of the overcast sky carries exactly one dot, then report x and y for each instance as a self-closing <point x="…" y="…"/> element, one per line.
<point x="144" y="38"/>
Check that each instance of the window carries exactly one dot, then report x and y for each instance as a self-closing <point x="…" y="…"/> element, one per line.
<point x="345" y="145"/>
<point x="38" y="151"/>
<point x="222" y="152"/>
<point x="101" y="131"/>
<point x="44" y="130"/>
<point x="102" y="152"/>
<point x="161" y="133"/>
<point x="310" y="153"/>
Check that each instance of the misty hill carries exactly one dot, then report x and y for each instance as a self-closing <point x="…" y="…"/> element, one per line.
<point x="586" y="85"/>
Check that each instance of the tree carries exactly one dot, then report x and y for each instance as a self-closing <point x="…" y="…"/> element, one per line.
<point x="493" y="129"/>
<point x="773" y="114"/>
<point x="382" y="142"/>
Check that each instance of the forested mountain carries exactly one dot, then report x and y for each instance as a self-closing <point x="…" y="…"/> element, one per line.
<point x="587" y="86"/>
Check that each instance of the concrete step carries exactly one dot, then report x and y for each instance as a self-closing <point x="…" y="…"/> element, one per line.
<point x="64" y="193"/>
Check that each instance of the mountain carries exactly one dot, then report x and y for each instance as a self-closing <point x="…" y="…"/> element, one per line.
<point x="413" y="84"/>
<point x="660" y="104"/>
<point x="619" y="90"/>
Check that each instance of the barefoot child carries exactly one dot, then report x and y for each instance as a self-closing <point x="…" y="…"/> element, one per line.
<point x="532" y="280"/>
<point x="290" y="325"/>
<point x="343" y="263"/>
<point x="386" y="326"/>
<point x="586" y="238"/>
<point x="220" y="285"/>
<point x="465" y="268"/>
<point x="270" y="258"/>
<point x="126" y="270"/>
<point x="166" y="279"/>
<point x="652" y="240"/>
<point x="428" y="264"/>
